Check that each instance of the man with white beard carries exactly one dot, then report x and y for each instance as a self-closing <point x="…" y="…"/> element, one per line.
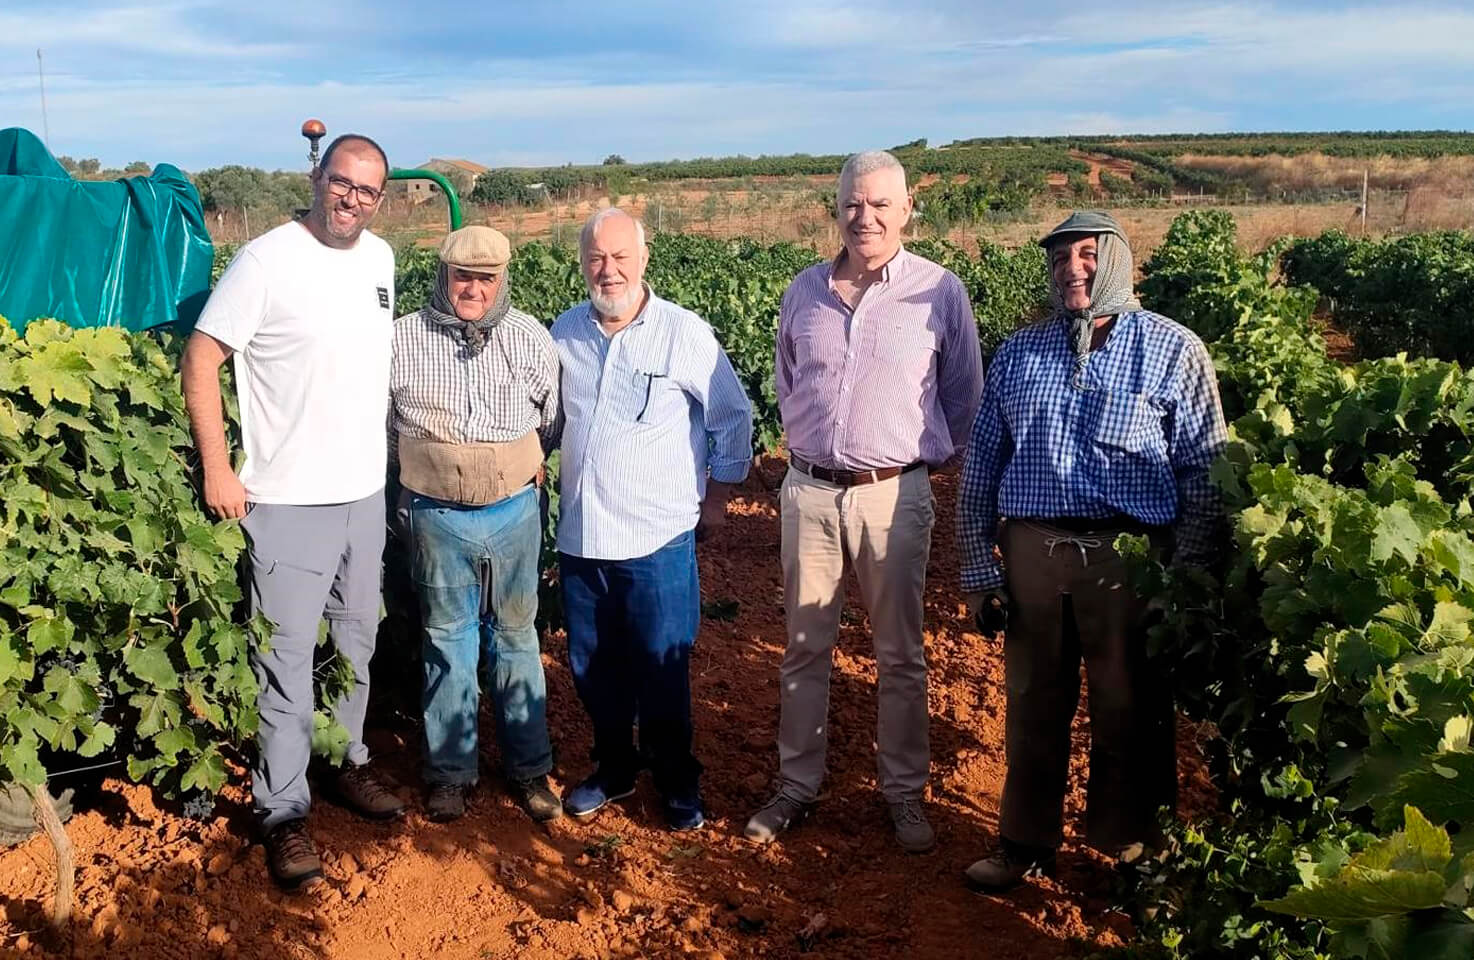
<point x="658" y="431"/>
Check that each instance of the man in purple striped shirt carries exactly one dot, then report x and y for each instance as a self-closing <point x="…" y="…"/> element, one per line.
<point x="879" y="376"/>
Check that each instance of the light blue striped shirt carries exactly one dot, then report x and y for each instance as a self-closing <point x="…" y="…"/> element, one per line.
<point x="648" y="412"/>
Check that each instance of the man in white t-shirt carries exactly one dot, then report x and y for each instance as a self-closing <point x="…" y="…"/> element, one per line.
<point x="306" y="311"/>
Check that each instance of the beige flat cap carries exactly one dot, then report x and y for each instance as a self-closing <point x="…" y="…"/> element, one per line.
<point x="477" y="248"/>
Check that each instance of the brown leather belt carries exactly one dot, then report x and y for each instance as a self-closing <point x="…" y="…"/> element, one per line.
<point x="851" y="478"/>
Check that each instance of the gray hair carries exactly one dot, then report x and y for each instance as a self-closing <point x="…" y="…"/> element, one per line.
<point x="591" y="225"/>
<point x="861" y="164"/>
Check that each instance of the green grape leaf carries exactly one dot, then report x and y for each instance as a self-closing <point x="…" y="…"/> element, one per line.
<point x="151" y="665"/>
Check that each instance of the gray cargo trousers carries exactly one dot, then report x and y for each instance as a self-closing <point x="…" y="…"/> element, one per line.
<point x="307" y="563"/>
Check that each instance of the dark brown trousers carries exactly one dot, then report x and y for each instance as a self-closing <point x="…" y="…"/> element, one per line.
<point x="1070" y="599"/>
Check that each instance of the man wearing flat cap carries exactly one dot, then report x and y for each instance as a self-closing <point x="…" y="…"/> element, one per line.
<point x="1101" y="420"/>
<point x="474" y="391"/>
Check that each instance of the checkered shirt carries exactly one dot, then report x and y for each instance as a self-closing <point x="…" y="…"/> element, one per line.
<point x="442" y="392"/>
<point x="1130" y="429"/>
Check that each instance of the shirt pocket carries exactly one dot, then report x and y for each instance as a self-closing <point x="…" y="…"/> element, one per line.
<point x="1129" y="423"/>
<point x="640" y="391"/>
<point x="501" y="396"/>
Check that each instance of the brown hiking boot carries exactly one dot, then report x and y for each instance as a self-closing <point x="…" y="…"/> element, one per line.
<point x="360" y="790"/>
<point x="291" y="857"/>
<point x="537" y="798"/>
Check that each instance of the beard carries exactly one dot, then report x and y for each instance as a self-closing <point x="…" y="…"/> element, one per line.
<point x="614" y="306"/>
<point x="340" y="232"/>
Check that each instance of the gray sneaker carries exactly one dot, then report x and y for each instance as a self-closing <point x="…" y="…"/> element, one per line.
<point x="913" y="832"/>
<point x="775" y="816"/>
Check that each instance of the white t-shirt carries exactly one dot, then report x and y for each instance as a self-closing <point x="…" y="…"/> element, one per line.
<point x="312" y="328"/>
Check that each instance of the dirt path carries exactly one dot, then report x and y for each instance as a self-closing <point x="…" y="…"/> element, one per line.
<point x="1097" y="162"/>
<point x="153" y="885"/>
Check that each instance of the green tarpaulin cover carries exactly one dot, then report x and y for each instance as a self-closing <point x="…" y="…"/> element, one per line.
<point x="130" y="253"/>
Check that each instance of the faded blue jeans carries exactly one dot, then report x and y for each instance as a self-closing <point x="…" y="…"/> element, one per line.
<point x="476" y="573"/>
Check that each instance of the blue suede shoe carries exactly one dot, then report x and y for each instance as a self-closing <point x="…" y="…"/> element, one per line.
<point x="594" y="792"/>
<point x="683" y="812"/>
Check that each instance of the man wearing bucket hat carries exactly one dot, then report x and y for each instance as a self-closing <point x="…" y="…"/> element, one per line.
<point x="474" y="391"/>
<point x="1101" y="420"/>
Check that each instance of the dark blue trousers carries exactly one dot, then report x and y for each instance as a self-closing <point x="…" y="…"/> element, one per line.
<point x="631" y="624"/>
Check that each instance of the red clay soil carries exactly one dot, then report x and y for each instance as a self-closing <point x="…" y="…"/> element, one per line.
<point x="154" y="885"/>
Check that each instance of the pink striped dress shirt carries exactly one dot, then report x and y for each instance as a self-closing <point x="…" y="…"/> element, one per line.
<point x="896" y="380"/>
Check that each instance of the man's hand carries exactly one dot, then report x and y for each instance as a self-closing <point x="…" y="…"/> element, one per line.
<point x="541" y="477"/>
<point x="989" y="610"/>
<point x="199" y="374"/>
<point x="713" y="509"/>
<point x="224" y="494"/>
<point x="949" y="467"/>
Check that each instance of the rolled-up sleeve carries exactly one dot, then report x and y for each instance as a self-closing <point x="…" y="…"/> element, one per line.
<point x="726" y="410"/>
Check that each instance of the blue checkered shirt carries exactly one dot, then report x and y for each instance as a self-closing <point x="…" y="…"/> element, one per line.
<point x="1130" y="429"/>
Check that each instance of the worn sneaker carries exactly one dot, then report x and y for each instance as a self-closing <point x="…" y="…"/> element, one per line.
<point x="594" y="792"/>
<point x="683" y="811"/>
<point x="291" y="857"/>
<point x="359" y="789"/>
<point x="1008" y="866"/>
<point x="537" y="798"/>
<point x="446" y="802"/>
<point x="778" y="814"/>
<point x="913" y="832"/>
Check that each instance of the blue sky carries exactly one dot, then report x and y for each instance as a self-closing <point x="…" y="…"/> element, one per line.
<point x="201" y="84"/>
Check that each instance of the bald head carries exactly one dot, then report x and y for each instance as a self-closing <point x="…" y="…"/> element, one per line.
<point x="610" y="219"/>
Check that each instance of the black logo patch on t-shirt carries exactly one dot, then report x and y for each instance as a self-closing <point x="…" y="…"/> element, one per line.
<point x="383" y="297"/>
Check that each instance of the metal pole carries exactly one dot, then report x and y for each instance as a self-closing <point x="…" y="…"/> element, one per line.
<point x="45" y="123"/>
<point x="1364" y="174"/>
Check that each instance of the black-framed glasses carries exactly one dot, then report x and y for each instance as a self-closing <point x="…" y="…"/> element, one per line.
<point x="365" y="195"/>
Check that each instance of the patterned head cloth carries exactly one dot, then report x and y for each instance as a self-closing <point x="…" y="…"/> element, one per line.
<point x="1111" y="290"/>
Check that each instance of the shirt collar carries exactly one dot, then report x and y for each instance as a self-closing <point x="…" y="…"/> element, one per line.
<point x="893" y="268"/>
<point x="1125" y="319"/>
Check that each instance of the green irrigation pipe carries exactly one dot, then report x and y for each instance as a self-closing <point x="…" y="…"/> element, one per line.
<point x="439" y="179"/>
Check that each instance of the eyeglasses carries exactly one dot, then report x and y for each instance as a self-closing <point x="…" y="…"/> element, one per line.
<point x="366" y="196"/>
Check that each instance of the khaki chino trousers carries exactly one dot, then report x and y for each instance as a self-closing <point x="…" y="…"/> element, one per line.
<point x="881" y="531"/>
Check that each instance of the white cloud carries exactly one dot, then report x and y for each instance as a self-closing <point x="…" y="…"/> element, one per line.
<point x="169" y="82"/>
<point x="165" y="29"/>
